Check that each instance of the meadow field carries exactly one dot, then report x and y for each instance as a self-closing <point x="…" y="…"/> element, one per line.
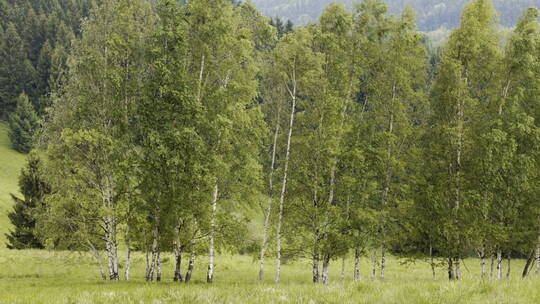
<point x="33" y="276"/>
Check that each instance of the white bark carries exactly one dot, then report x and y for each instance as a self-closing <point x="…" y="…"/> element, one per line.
<point x="264" y="245"/>
<point x="191" y="264"/>
<point x="326" y="269"/>
<point x="97" y="256"/>
<point x="211" y="249"/>
<point x="356" y="265"/>
<point x="499" y="264"/>
<point x="284" y="182"/>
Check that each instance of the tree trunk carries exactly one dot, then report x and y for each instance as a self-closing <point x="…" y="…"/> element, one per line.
<point x="151" y="265"/>
<point x="178" y="258"/>
<point x="451" y="275"/>
<point x="211" y="250"/>
<point x="537" y="258"/>
<point x="316" y="260"/>
<point x="284" y="183"/>
<point x="491" y="268"/>
<point x="457" y="262"/>
<point x="432" y="261"/>
<point x="191" y="264"/>
<point x="342" y="275"/>
<point x="483" y="266"/>
<point x="509" y="259"/>
<point x="383" y="260"/>
<point x="97" y="256"/>
<point x="128" y="264"/>
<point x="499" y="264"/>
<point x="325" y="268"/>
<point x="158" y="265"/>
<point x="266" y="231"/>
<point x="357" y="264"/>
<point x="528" y="264"/>
<point x="374" y="264"/>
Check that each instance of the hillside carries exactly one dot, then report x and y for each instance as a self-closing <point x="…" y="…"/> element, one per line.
<point x="10" y="164"/>
<point x="431" y="14"/>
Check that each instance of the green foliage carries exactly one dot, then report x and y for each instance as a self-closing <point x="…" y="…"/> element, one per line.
<point x="23" y="125"/>
<point x="25" y="211"/>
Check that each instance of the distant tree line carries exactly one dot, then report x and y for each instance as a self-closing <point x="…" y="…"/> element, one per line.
<point x="180" y="126"/>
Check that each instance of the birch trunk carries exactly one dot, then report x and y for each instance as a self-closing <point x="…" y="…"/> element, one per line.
<point x="451" y="275"/>
<point x="211" y="249"/>
<point x="457" y="262"/>
<point x="191" y="264"/>
<point x="374" y="265"/>
<point x="325" y="269"/>
<point x="499" y="264"/>
<point x="356" y="265"/>
<point x="509" y="259"/>
<point x="99" y="263"/>
<point x="383" y="260"/>
<point x="432" y="261"/>
<point x="483" y="265"/>
<point x="528" y="264"/>
<point x="537" y="257"/>
<point x="128" y="264"/>
<point x="264" y="245"/>
<point x="342" y="275"/>
<point x="177" y="257"/>
<point x="316" y="259"/>
<point x="158" y="265"/>
<point x="284" y="182"/>
<point x="491" y="267"/>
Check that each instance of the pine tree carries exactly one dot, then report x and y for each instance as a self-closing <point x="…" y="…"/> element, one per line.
<point x="34" y="188"/>
<point x="23" y="125"/>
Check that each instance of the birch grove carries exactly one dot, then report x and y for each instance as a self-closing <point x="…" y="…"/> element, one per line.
<point x="200" y="129"/>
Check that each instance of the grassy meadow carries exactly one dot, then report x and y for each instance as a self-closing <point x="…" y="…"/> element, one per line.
<point x="68" y="277"/>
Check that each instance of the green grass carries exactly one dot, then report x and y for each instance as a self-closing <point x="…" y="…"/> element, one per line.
<point x="63" y="277"/>
<point x="10" y="165"/>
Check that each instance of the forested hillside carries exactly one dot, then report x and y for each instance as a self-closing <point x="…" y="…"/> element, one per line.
<point x="431" y="14"/>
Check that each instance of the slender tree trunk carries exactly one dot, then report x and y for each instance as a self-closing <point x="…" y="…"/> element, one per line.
<point x="151" y="265"/>
<point x="316" y="259"/>
<point x="537" y="258"/>
<point x="158" y="265"/>
<point x="211" y="250"/>
<point x="457" y="262"/>
<point x="499" y="264"/>
<point x="128" y="263"/>
<point x="97" y="256"/>
<point x="191" y="264"/>
<point x="432" y="261"/>
<point x="266" y="231"/>
<point x="284" y="183"/>
<point x="451" y="275"/>
<point x="383" y="260"/>
<point x="483" y="265"/>
<point x="325" y="269"/>
<point x="342" y="275"/>
<point x="492" y="266"/>
<point x="509" y="259"/>
<point x="528" y="264"/>
<point x="177" y="257"/>
<point x="374" y="265"/>
<point x="356" y="264"/>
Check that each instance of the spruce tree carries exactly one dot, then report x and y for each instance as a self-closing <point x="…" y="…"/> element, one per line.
<point x="23" y="124"/>
<point x="34" y="188"/>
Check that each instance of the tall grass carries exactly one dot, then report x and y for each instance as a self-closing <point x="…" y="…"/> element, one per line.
<point x="68" y="277"/>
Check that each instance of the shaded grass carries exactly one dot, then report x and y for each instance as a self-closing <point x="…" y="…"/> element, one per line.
<point x="10" y="165"/>
<point x="67" y="277"/>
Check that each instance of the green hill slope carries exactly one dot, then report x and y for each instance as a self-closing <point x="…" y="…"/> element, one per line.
<point x="10" y="165"/>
